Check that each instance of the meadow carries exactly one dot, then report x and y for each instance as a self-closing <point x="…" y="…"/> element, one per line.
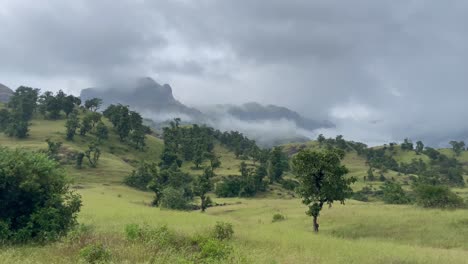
<point x="357" y="232"/>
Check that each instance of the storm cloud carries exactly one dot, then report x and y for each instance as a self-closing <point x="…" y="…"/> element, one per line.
<point x="380" y="70"/>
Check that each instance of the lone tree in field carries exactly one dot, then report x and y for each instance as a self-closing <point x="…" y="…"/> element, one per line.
<point x="322" y="180"/>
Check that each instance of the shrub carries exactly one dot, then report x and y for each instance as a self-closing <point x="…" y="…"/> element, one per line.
<point x="95" y="253"/>
<point x="229" y="187"/>
<point x="214" y="249"/>
<point x="289" y="184"/>
<point x="437" y="196"/>
<point x="394" y="194"/>
<point x="223" y="231"/>
<point x="79" y="233"/>
<point x="132" y="232"/>
<point x="278" y="218"/>
<point x="173" y="198"/>
<point x="160" y="236"/>
<point x="48" y="208"/>
<point x="142" y="176"/>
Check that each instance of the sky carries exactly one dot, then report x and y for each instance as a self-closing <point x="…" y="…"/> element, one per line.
<point x="380" y="70"/>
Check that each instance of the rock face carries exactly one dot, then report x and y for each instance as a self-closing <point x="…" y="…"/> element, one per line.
<point x="5" y="93"/>
<point x="146" y="96"/>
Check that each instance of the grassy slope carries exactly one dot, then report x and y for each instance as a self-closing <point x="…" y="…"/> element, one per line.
<point x="355" y="233"/>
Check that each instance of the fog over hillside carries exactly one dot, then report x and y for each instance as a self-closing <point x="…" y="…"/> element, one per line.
<point x="269" y="124"/>
<point x="379" y="70"/>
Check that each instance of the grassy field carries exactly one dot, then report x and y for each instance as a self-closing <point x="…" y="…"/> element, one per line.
<point x="353" y="233"/>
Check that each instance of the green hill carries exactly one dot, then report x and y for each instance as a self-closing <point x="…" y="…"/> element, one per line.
<point x="354" y="233"/>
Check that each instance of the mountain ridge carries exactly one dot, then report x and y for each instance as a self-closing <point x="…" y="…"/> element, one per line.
<point x="5" y="93"/>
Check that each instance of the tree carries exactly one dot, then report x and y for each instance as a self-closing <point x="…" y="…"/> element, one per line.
<point x="370" y="174"/>
<point x="85" y="125"/>
<point x="5" y="119"/>
<point x="432" y="153"/>
<point x="214" y="160"/>
<point x="69" y="103"/>
<point x="36" y="203"/>
<point x="419" y="147"/>
<point x="137" y="137"/>
<point x="23" y="103"/>
<point x="457" y="147"/>
<point x="202" y="185"/>
<point x="18" y="128"/>
<point x="407" y="145"/>
<point x="174" y="179"/>
<point x="102" y="132"/>
<point x="93" y="104"/>
<point x="92" y="154"/>
<point x="198" y="157"/>
<point x="94" y="118"/>
<point x="79" y="160"/>
<point x="142" y="176"/>
<point x="321" y="139"/>
<point x="322" y="180"/>
<point x="278" y="164"/>
<point x="56" y="105"/>
<point x="72" y="124"/>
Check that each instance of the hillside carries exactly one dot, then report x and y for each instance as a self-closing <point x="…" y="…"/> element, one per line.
<point x="358" y="165"/>
<point x="116" y="162"/>
<point x="5" y="93"/>
<point x="391" y="234"/>
<point x="370" y="232"/>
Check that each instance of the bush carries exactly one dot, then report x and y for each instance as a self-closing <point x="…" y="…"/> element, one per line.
<point x="288" y="184"/>
<point x="142" y="176"/>
<point x="278" y="218"/>
<point x="175" y="199"/>
<point x="214" y="249"/>
<point x="394" y="194"/>
<point x="432" y="196"/>
<point x="223" y="231"/>
<point x="95" y="253"/>
<point x="229" y="187"/>
<point x="132" y="232"/>
<point x="160" y="236"/>
<point x="48" y="208"/>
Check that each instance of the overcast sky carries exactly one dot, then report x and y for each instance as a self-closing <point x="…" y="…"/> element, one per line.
<point x="381" y="70"/>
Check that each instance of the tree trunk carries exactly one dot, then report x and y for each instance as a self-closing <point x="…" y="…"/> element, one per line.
<point x="203" y="204"/>
<point x="316" y="225"/>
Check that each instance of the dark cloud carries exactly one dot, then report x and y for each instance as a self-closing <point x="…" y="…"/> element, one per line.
<point x="382" y="70"/>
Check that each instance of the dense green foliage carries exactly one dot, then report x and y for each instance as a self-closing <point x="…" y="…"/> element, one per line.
<point x="35" y="201"/>
<point x="128" y="125"/>
<point x="141" y="177"/>
<point x="437" y="196"/>
<point x="393" y="193"/>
